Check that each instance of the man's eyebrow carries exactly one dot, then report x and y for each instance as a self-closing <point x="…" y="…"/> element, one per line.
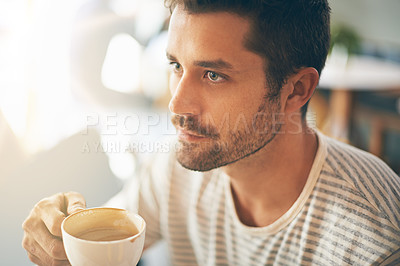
<point x="170" y="57"/>
<point x="214" y="64"/>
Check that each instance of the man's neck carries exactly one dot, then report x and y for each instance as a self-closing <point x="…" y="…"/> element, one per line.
<point x="266" y="184"/>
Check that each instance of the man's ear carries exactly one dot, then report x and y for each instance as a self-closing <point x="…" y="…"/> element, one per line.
<point x="301" y="87"/>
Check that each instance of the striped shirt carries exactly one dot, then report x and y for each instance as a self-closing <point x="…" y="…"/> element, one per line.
<point x="347" y="214"/>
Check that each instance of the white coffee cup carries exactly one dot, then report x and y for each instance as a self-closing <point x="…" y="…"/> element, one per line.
<point x="103" y="236"/>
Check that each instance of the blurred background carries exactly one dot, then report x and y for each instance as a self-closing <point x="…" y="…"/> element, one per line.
<point x="83" y="97"/>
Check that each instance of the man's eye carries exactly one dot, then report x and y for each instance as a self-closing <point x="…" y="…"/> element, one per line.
<point x="176" y="66"/>
<point x="213" y="76"/>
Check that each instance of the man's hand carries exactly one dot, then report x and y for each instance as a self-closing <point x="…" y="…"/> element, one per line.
<point x="42" y="229"/>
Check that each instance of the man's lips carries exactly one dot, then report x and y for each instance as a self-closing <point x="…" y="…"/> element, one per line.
<point x="189" y="135"/>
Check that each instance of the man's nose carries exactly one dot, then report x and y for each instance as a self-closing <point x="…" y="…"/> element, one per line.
<point x="186" y="98"/>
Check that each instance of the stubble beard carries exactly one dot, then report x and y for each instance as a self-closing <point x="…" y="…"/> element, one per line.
<point x="238" y="144"/>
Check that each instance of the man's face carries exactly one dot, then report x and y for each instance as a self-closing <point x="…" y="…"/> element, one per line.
<point x="219" y="90"/>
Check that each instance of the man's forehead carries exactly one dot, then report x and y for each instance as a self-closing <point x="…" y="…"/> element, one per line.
<point x="213" y="32"/>
<point x="213" y="40"/>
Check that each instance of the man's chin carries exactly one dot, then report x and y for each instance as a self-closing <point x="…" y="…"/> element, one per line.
<point x="199" y="157"/>
<point x="194" y="164"/>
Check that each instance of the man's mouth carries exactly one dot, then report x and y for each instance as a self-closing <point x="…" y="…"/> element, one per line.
<point x="190" y="136"/>
<point x="190" y="130"/>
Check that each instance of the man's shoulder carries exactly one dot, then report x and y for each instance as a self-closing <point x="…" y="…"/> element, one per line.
<point x="347" y="160"/>
<point x="364" y="175"/>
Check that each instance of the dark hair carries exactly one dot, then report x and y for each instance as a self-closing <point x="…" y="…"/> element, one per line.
<point x="289" y="34"/>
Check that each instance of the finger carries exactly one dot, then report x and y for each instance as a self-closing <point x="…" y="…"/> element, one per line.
<point x="34" y="259"/>
<point x="39" y="262"/>
<point x="53" y="210"/>
<point x="38" y="255"/>
<point x="74" y="202"/>
<point x="52" y="245"/>
<point x="31" y="248"/>
<point x="50" y="211"/>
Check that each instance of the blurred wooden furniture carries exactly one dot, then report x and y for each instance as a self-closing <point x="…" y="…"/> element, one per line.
<point x="380" y="122"/>
<point x="344" y="77"/>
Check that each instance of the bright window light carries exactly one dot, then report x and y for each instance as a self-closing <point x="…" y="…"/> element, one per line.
<point x="121" y="68"/>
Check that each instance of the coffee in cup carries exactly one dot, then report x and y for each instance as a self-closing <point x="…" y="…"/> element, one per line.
<point x="103" y="236"/>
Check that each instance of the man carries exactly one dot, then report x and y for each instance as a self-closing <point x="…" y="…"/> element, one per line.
<point x="266" y="189"/>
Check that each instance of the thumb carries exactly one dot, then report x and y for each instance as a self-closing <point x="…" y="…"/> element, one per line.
<point x="74" y="202"/>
